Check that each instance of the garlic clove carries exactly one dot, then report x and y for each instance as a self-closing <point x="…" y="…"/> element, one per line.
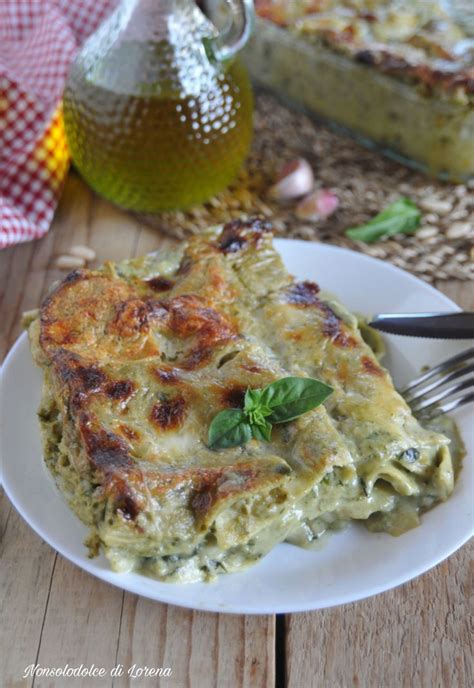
<point x="317" y="205"/>
<point x="294" y="180"/>
<point x="328" y="203"/>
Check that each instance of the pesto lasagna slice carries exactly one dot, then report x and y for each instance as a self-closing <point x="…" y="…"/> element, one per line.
<point x="139" y="357"/>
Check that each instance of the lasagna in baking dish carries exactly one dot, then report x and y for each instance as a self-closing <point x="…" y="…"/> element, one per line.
<point x="397" y="73"/>
<point x="140" y="356"/>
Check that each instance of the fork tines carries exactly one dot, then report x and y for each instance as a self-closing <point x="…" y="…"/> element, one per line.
<point x="443" y="388"/>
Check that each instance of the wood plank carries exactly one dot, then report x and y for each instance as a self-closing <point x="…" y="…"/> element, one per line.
<point x="18" y="265"/>
<point x="58" y="613"/>
<point x="203" y="650"/>
<point x="27" y="564"/>
<point x="81" y="624"/>
<point x="5" y="513"/>
<point x="417" y="635"/>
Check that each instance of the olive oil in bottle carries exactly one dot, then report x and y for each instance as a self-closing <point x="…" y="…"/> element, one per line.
<point x="154" y="121"/>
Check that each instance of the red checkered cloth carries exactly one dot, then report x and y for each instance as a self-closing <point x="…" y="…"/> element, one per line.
<point x="38" y="40"/>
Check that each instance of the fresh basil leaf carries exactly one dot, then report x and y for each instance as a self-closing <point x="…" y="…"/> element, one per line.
<point x="279" y="402"/>
<point x="252" y="399"/>
<point x="255" y="411"/>
<point x="262" y="431"/>
<point x="229" y="429"/>
<point x="289" y="397"/>
<point x="401" y="217"/>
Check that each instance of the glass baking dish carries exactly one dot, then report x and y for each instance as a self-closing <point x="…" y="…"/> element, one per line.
<point x="424" y="131"/>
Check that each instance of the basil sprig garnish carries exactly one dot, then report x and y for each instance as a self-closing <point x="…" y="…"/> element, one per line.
<point x="229" y="429"/>
<point x="401" y="217"/>
<point x="279" y="402"/>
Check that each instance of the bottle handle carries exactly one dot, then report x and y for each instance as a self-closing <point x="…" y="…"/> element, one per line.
<point x="237" y="32"/>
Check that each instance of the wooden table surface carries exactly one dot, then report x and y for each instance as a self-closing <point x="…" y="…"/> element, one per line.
<point x="52" y="613"/>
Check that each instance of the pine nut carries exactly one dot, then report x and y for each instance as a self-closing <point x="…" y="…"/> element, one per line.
<point x="70" y="262"/>
<point x="82" y="252"/>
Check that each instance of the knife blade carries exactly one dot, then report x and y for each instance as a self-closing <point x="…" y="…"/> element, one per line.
<point x="432" y="325"/>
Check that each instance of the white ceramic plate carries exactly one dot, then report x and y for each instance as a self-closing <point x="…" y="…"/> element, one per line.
<point x="354" y="564"/>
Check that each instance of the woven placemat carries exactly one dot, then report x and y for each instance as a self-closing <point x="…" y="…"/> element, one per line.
<point x="364" y="181"/>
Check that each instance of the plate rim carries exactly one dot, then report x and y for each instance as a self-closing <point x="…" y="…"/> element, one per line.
<point x="108" y="576"/>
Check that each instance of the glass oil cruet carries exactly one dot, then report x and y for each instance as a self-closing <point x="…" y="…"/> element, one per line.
<point x="157" y="107"/>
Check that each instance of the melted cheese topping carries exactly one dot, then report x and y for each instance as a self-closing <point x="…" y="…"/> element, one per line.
<point x="140" y="356"/>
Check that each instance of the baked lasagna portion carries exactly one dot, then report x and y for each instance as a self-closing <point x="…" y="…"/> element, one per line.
<point x="416" y="41"/>
<point x="138" y="358"/>
<point x="397" y="73"/>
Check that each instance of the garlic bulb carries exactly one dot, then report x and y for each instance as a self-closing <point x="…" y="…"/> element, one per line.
<point x="294" y="180"/>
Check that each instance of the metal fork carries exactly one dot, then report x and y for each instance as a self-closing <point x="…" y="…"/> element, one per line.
<point x="442" y="389"/>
